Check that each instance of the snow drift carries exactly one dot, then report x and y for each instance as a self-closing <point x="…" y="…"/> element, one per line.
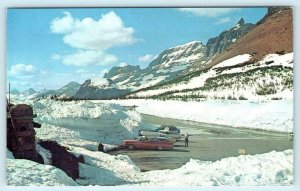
<point x="22" y="172"/>
<point x="85" y="124"/>
<point x="274" y="168"/>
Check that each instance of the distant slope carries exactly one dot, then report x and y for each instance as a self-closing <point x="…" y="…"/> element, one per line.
<point x="99" y="88"/>
<point x="68" y="90"/>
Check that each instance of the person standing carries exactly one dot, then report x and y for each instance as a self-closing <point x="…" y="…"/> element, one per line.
<point x="186" y="140"/>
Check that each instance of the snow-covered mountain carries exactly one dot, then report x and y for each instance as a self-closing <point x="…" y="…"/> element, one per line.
<point x="166" y="66"/>
<point x="176" y="61"/>
<point x="121" y="75"/>
<point x="29" y="92"/>
<point x="68" y="90"/>
<point x="259" y="65"/>
<point x="100" y="88"/>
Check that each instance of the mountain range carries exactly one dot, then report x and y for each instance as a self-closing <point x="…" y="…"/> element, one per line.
<point x="195" y="68"/>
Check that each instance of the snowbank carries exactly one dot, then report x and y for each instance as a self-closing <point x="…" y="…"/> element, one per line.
<point x="105" y="169"/>
<point x="80" y="126"/>
<point x="85" y="124"/>
<point x="274" y="168"/>
<point x="28" y="173"/>
<point x="273" y="115"/>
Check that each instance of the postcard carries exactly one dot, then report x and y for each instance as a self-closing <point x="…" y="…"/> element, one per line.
<point x="150" y="96"/>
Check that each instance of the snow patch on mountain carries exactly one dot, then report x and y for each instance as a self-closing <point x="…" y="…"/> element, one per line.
<point x="99" y="82"/>
<point x="234" y="61"/>
<point x="200" y="80"/>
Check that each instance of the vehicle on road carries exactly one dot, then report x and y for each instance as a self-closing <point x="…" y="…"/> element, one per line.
<point x="146" y="143"/>
<point x="171" y="131"/>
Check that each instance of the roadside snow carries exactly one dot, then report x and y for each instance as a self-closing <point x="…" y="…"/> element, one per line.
<point x="274" y="168"/>
<point x="84" y="123"/>
<point x="273" y="115"/>
<point x="22" y="172"/>
<point x="80" y="126"/>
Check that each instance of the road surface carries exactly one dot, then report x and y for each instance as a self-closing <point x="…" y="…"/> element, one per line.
<point x="207" y="142"/>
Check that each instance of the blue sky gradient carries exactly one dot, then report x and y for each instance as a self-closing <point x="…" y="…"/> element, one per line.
<point x="38" y="56"/>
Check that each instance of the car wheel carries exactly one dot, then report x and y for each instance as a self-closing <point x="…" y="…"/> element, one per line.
<point x="131" y="147"/>
<point x="160" y="148"/>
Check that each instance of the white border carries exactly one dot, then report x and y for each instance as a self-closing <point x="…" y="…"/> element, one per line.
<point x="146" y="3"/>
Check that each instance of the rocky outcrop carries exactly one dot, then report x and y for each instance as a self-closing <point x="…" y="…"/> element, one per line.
<point x="120" y="74"/>
<point x="219" y="43"/>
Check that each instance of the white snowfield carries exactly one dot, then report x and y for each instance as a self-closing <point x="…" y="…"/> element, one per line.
<point x="272" y="115"/>
<point x="83" y="134"/>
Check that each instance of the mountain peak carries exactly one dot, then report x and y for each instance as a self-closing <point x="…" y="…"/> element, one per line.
<point x="240" y="22"/>
<point x="191" y="43"/>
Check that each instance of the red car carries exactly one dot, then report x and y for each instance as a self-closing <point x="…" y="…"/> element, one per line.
<point x="148" y="143"/>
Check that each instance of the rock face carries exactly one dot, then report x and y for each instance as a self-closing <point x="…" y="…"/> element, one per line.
<point x="99" y="88"/>
<point x="219" y="43"/>
<point x="271" y="11"/>
<point x="62" y="159"/>
<point x="121" y="74"/>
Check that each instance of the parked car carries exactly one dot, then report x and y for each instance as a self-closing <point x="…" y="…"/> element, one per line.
<point x="170" y="128"/>
<point x="144" y="142"/>
<point x="171" y="131"/>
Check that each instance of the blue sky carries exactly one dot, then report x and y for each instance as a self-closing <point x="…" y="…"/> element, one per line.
<point x="47" y="48"/>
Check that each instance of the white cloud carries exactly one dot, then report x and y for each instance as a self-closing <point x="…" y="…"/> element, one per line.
<point x="89" y="57"/>
<point x="56" y="57"/>
<point x="62" y="25"/>
<point x="208" y="12"/>
<point x="224" y="20"/>
<point x="23" y="70"/>
<point x="109" y="31"/>
<point x="146" y="58"/>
